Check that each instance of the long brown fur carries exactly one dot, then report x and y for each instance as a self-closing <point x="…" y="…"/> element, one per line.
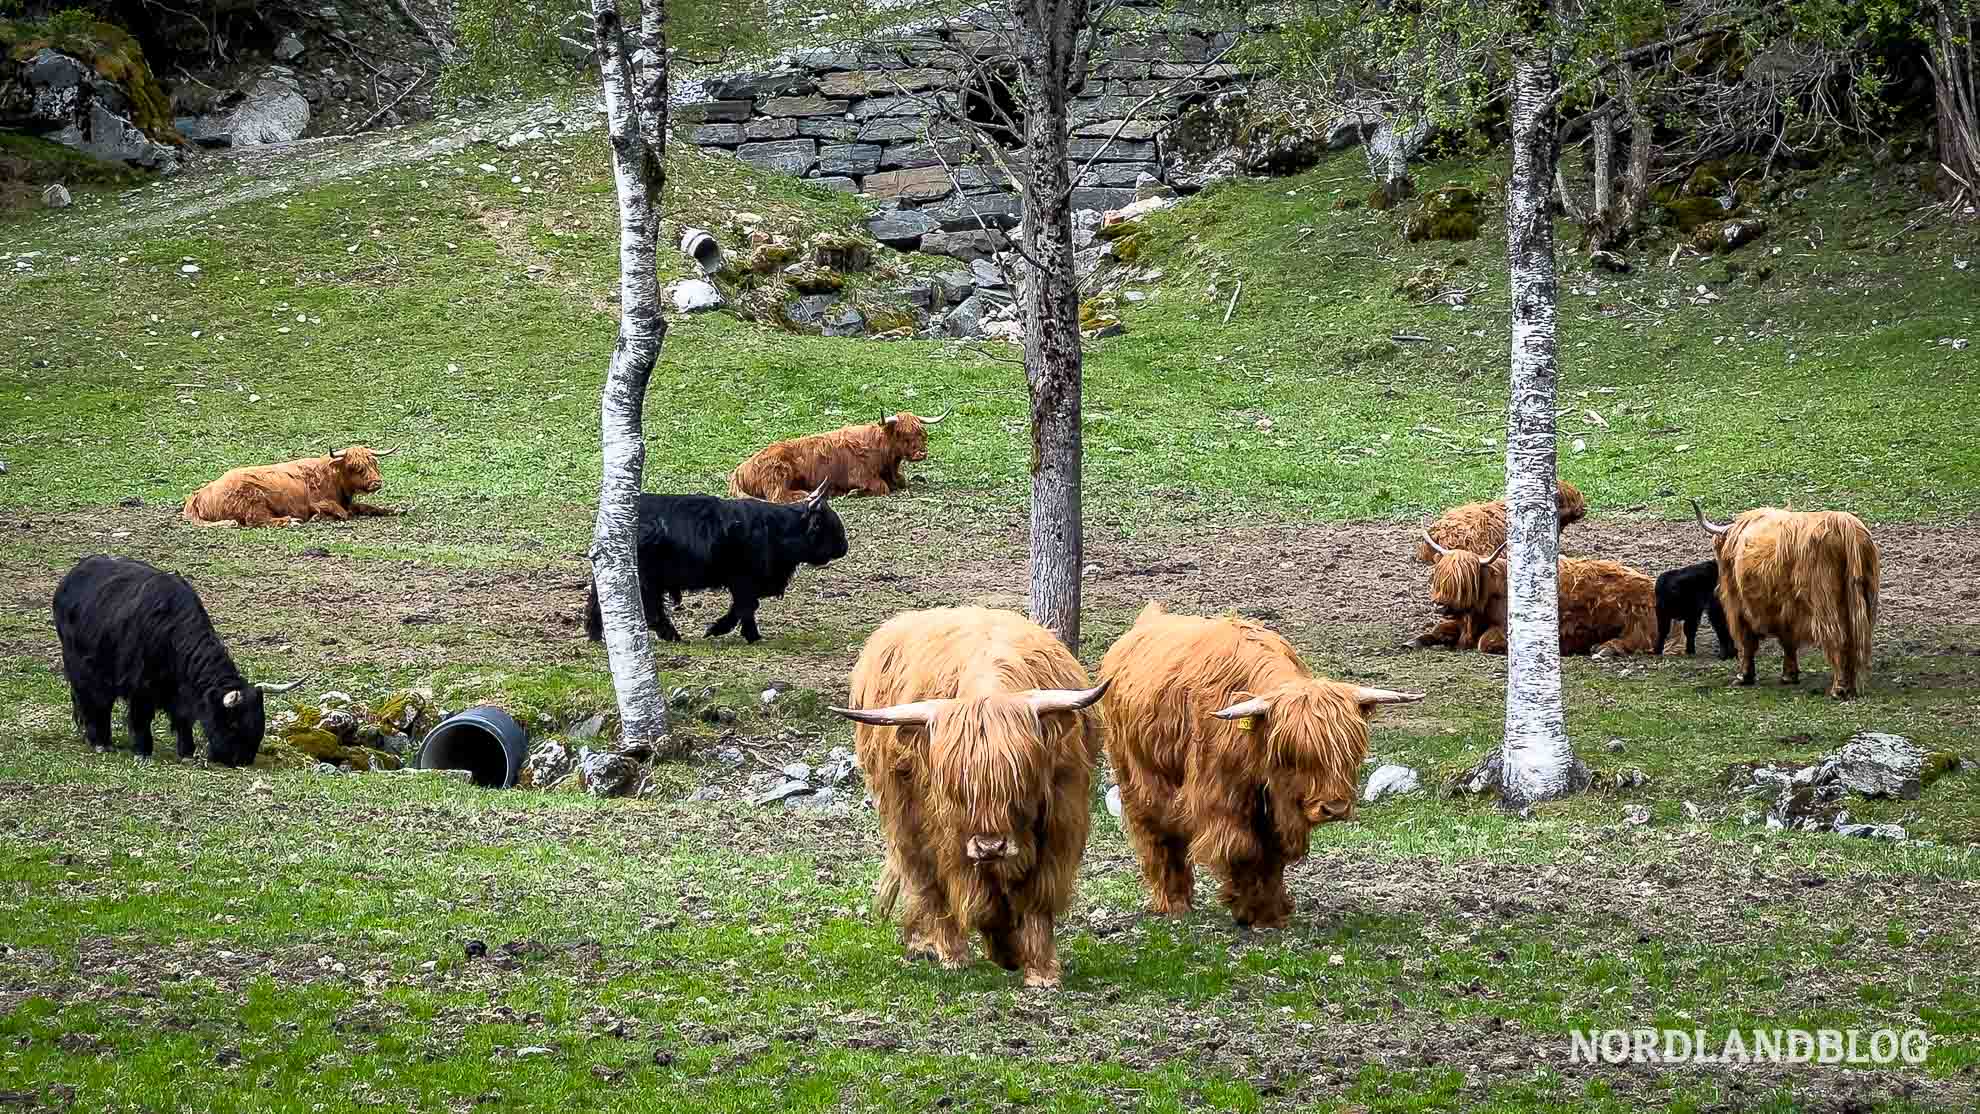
<point x="1240" y="803"/>
<point x="1800" y="577"/>
<point x="865" y="459"/>
<point x="1481" y="527"/>
<point x="290" y="492"/>
<point x="988" y="767"/>
<point x="1606" y="608"/>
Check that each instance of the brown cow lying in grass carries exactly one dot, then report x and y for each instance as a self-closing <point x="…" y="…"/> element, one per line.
<point x="1481" y="527"/>
<point x="1229" y="753"/>
<point x="1606" y="608"/>
<point x="978" y="748"/>
<point x="864" y="459"/>
<point x="291" y="492"/>
<point x="1799" y="576"/>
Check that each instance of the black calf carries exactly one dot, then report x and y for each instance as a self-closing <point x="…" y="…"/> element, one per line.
<point x="749" y="547"/>
<point x="1682" y="595"/>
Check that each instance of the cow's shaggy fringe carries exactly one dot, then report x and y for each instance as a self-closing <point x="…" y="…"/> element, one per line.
<point x="987" y="767"/>
<point x="858" y="458"/>
<point x="1799" y="577"/>
<point x="1471" y="593"/>
<point x="1238" y="797"/>
<point x="1481" y="527"/>
<point x="290" y="492"/>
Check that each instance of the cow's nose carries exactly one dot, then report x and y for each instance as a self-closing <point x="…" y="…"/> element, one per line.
<point x="980" y="848"/>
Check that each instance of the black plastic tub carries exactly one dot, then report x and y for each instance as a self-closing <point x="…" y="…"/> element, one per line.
<point x="485" y="741"/>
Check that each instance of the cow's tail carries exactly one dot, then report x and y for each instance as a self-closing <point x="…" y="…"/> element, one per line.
<point x="1861" y="577"/>
<point x="594" y="619"/>
<point x="886" y="892"/>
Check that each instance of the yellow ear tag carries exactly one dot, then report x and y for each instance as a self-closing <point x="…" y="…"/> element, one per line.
<point x="1246" y="723"/>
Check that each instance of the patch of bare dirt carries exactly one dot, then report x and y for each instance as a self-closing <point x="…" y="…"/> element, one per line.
<point x="1332" y="587"/>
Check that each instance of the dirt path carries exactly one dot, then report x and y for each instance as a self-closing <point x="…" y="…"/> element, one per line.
<point x="1331" y="587"/>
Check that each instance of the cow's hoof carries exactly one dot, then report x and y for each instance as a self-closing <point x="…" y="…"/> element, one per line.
<point x="1789" y="681"/>
<point x="1843" y="694"/>
<point x="1742" y="682"/>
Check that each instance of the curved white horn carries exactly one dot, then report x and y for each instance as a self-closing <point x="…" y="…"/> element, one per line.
<point x="1710" y="526"/>
<point x="384" y="452"/>
<point x="232" y="699"/>
<point x="817" y="496"/>
<point x="936" y="420"/>
<point x="1495" y="554"/>
<point x="917" y="714"/>
<point x="1256" y="706"/>
<point x="1046" y="701"/>
<point x="1433" y="544"/>
<point x="338" y="454"/>
<point x="1385" y="696"/>
<point x="265" y="687"/>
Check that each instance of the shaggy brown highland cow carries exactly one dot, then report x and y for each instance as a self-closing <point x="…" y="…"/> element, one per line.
<point x="978" y="747"/>
<point x="1481" y="527"/>
<point x="1606" y="608"/>
<point x="863" y="459"/>
<point x="291" y="492"/>
<point x="1229" y="753"/>
<point x="1799" y="576"/>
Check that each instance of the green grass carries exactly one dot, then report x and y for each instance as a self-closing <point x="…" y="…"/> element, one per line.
<point x="274" y="940"/>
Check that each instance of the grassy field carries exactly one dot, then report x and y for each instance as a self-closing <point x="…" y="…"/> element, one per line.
<point x="175" y="937"/>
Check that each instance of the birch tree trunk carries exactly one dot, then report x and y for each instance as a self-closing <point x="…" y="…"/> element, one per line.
<point x="1048" y="40"/>
<point x="635" y="112"/>
<point x="1537" y="761"/>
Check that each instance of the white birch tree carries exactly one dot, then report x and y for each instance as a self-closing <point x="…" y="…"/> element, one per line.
<point x="1537" y="761"/>
<point x="635" y="87"/>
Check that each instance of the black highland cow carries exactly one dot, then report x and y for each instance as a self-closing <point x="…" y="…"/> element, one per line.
<point x="746" y="546"/>
<point x="1684" y="594"/>
<point x="139" y="634"/>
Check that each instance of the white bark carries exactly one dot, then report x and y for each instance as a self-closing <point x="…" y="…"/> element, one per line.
<point x="1048" y="39"/>
<point x="635" y="107"/>
<point x="1538" y="762"/>
<point x="1605" y="157"/>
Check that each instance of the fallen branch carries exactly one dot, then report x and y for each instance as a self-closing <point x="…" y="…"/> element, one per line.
<point x="1234" y="298"/>
<point x="380" y="114"/>
<point x="439" y="47"/>
<point x="1408" y="338"/>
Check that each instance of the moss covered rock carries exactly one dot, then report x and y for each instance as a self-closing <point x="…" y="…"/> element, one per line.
<point x="85" y="84"/>
<point x="1690" y="212"/>
<point x="1449" y="213"/>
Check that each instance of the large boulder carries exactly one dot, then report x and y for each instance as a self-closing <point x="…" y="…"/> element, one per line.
<point x="268" y="109"/>
<point x="108" y="107"/>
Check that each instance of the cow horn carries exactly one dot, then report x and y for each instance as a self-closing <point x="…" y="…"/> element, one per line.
<point x="1495" y="554"/>
<point x="817" y="496"/>
<point x="1385" y="696"/>
<point x="1256" y="706"/>
<point x="232" y="699"/>
<point x="936" y="420"/>
<point x="889" y="419"/>
<point x="384" y="452"/>
<point x="1710" y="526"/>
<point x="1047" y="701"/>
<point x="1433" y="544"/>
<point x="920" y="713"/>
<point x="266" y="687"/>
<point x="338" y="454"/>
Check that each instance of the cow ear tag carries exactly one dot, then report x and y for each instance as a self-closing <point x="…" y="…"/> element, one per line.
<point x="1246" y="723"/>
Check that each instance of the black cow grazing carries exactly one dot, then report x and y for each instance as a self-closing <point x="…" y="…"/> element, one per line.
<point x="136" y="633"/>
<point x="1682" y="595"/>
<point x="749" y="547"/>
